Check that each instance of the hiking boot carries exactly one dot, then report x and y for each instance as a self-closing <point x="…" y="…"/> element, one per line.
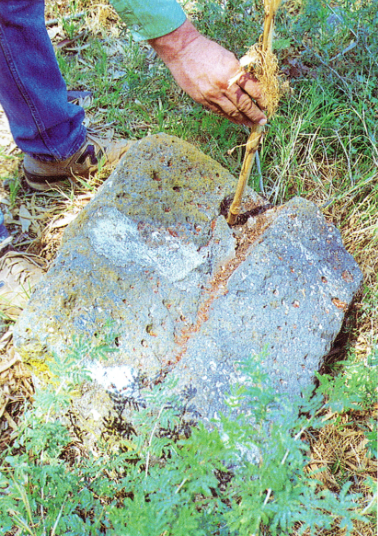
<point x="19" y="273"/>
<point x="48" y="175"/>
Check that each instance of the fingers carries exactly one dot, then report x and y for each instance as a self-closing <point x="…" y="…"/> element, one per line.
<point x="228" y="111"/>
<point x="225" y="108"/>
<point x="241" y="102"/>
<point x="245" y="105"/>
<point x="237" y="106"/>
<point x="252" y="87"/>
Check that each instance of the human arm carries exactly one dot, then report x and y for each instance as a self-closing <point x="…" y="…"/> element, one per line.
<point x="201" y="67"/>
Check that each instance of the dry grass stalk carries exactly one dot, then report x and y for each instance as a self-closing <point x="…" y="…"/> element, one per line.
<point x="16" y="387"/>
<point x="263" y="63"/>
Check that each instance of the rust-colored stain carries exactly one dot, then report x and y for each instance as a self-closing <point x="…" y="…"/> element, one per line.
<point x="172" y="232"/>
<point x="218" y="285"/>
<point x="347" y="276"/>
<point x="340" y="304"/>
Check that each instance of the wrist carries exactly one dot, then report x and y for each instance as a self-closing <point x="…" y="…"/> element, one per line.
<point x="171" y="45"/>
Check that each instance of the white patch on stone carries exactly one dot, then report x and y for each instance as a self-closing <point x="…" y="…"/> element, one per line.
<point x="121" y="379"/>
<point x="96" y="415"/>
<point x="117" y="238"/>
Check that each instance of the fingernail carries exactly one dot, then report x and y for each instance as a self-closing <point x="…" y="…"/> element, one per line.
<point x="263" y="121"/>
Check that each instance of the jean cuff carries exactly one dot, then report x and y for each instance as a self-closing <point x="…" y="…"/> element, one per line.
<point x="77" y="145"/>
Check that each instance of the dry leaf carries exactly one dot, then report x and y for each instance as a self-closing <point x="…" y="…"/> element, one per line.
<point x="36" y="228"/>
<point x="62" y="222"/>
<point x="54" y="31"/>
<point x="25" y="218"/>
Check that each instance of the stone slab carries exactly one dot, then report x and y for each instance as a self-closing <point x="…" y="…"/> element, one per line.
<point x="151" y="262"/>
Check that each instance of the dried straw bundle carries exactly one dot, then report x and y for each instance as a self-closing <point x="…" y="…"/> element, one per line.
<point x="263" y="63"/>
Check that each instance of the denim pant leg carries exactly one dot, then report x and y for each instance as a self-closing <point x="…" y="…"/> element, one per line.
<point x="32" y="90"/>
<point x="3" y="230"/>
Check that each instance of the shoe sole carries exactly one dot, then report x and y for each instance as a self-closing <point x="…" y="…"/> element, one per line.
<point x="43" y="184"/>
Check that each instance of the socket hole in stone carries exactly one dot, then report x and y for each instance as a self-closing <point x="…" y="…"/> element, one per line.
<point x="176" y="188"/>
<point x="243" y="217"/>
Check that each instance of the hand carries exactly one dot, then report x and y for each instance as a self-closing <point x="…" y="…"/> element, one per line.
<point x="202" y="68"/>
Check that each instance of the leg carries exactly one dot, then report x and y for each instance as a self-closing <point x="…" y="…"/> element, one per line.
<point x="32" y="91"/>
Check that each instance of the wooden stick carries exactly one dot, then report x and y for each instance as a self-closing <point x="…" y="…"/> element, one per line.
<point x="253" y="142"/>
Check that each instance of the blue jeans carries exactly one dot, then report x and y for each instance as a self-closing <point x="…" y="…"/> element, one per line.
<point x="3" y="230"/>
<point x="32" y="90"/>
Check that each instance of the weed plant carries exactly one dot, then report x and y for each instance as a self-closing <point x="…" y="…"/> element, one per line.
<point x="235" y="479"/>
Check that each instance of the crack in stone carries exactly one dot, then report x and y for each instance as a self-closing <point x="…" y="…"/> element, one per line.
<point x="218" y="284"/>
